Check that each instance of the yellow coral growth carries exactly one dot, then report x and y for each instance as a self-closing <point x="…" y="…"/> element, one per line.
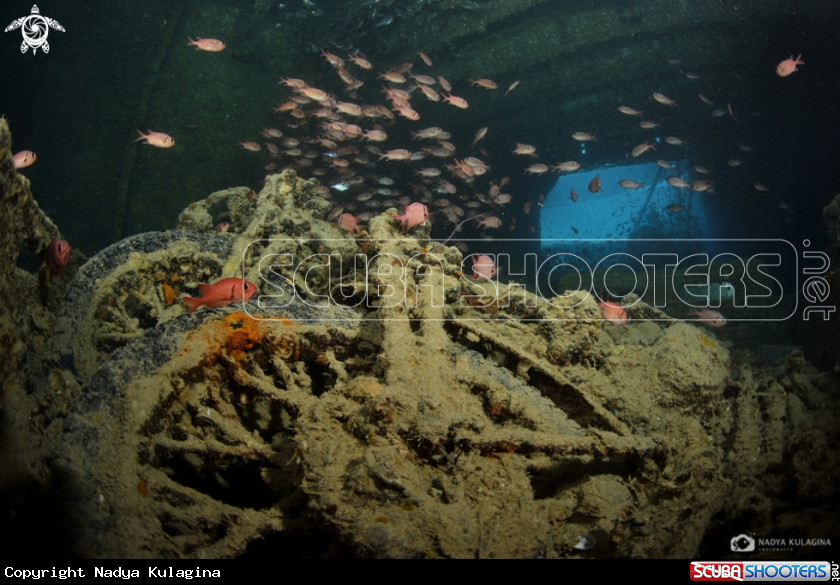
<point x="707" y="342"/>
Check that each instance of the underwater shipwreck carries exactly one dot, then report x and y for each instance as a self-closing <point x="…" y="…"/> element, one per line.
<point x="477" y="429"/>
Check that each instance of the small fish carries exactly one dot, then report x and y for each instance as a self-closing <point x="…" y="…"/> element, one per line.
<point x="745" y="147"/>
<point x="222" y="293"/>
<point x="392" y="76"/>
<point x="709" y="317"/>
<point x="375" y="135"/>
<point x="432" y="132"/>
<point x="525" y="149"/>
<point x="396" y="154"/>
<point x="456" y="101"/>
<point x="641" y="149"/>
<point x="595" y="184"/>
<point x="333" y="60"/>
<point x="735" y="162"/>
<point x="705" y="100"/>
<point x="211" y="45"/>
<point x="675" y="207"/>
<point x="415" y="214"/>
<point x="479" y="135"/>
<point x="630" y="184"/>
<point x="614" y="313"/>
<point x="574" y="229"/>
<point x="663" y="99"/>
<point x="58" y="257"/>
<point x="718" y="113"/>
<point x="729" y="107"/>
<point x="701" y="186"/>
<point x="648" y="125"/>
<point x="407" y="113"/>
<point x="573" y="196"/>
<point x="24" y="158"/>
<point x="677" y="183"/>
<point x="583" y="137"/>
<point x="665" y="165"/>
<point x="512" y="87"/>
<point x="361" y="62"/>
<point x="158" y="139"/>
<point x="425" y="58"/>
<point x="692" y="75"/>
<point x="247" y="145"/>
<point x="423" y="79"/>
<point x="675" y="141"/>
<point x="483" y="267"/>
<point x="489" y="222"/>
<point x="629" y="111"/>
<point x="347" y="221"/>
<point x="385" y="21"/>
<point x="485" y="83"/>
<point x="447" y="186"/>
<point x="334" y="213"/>
<point x="761" y="187"/>
<point x="788" y="66"/>
<point x="566" y="167"/>
<point x="536" y="169"/>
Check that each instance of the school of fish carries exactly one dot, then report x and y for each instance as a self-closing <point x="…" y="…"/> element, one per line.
<point x="323" y="138"/>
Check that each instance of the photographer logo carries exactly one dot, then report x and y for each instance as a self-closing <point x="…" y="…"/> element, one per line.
<point x="35" y="29"/>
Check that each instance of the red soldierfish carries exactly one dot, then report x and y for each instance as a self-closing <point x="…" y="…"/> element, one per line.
<point x="347" y="221"/>
<point x="415" y="214"/>
<point x="158" y="139"/>
<point x="222" y="293"/>
<point x="212" y="45"/>
<point x="613" y="312"/>
<point x="23" y="159"/>
<point x="483" y="267"/>
<point x="709" y="317"/>
<point x="788" y="66"/>
<point x="58" y="257"/>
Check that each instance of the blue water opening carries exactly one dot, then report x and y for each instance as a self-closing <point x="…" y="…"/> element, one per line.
<point x="617" y="213"/>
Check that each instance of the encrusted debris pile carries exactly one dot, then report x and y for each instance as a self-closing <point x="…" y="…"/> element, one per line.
<point x="330" y="420"/>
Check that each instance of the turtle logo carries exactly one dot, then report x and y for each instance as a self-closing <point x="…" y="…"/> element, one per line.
<point x="35" y="29"/>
